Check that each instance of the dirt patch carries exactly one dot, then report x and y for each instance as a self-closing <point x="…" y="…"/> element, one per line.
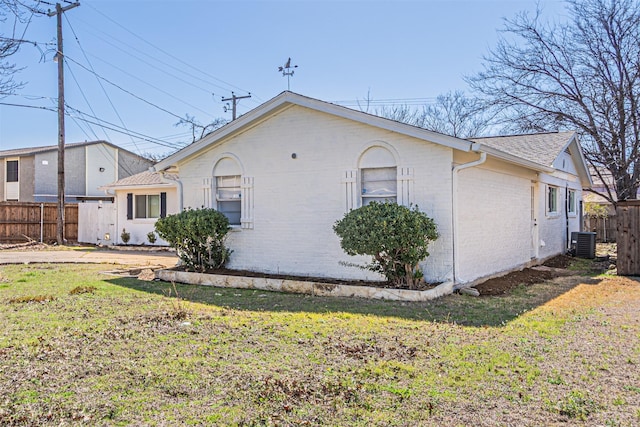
<point x="28" y="246"/>
<point x="504" y="284"/>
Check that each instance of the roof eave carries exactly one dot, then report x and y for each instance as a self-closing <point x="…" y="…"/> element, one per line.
<point x="288" y="99"/>
<point x="513" y="159"/>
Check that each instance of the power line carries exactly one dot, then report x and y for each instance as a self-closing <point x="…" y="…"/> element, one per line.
<point x="87" y="101"/>
<point x="167" y="53"/>
<point x="130" y="48"/>
<point x="131" y="93"/>
<point x="100" y="123"/>
<point x="38" y="107"/>
<point x="99" y="82"/>
<point x="117" y="128"/>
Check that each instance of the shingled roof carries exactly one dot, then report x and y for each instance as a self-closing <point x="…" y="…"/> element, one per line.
<point x="141" y="179"/>
<point x="541" y="148"/>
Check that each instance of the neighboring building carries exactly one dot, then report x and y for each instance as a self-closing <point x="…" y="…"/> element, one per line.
<point x="31" y="174"/>
<point x="140" y="200"/>
<point x="286" y="171"/>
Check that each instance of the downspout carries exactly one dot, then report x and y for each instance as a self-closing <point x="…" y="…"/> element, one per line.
<point x="454" y="205"/>
<point x="566" y="217"/>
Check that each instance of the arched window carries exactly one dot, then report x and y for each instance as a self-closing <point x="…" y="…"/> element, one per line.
<point x="378" y="176"/>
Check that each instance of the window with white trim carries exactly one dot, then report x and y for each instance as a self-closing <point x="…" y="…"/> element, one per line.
<point x="229" y="197"/>
<point x="379" y="185"/>
<point x="147" y="206"/>
<point x="552" y="200"/>
<point x="571" y="201"/>
<point x="12" y="170"/>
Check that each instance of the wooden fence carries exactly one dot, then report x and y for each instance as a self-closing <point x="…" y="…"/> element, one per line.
<point x="605" y="228"/>
<point x="21" y="221"/>
<point x="628" y="214"/>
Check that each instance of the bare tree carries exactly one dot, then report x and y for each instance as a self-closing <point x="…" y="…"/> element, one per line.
<point x="452" y="113"/>
<point x="15" y="16"/>
<point x="583" y="74"/>
<point x="198" y="130"/>
<point x="455" y="114"/>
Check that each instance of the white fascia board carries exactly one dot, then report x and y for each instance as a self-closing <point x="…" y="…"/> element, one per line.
<point x="382" y="123"/>
<point x="135" y="187"/>
<point x="286" y="100"/>
<point x="583" y="169"/>
<point x="513" y="159"/>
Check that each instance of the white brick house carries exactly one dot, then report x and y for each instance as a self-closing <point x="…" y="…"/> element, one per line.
<point x="286" y="171"/>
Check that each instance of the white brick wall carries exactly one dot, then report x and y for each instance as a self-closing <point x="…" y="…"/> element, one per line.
<point x="297" y="201"/>
<point x="494" y="223"/>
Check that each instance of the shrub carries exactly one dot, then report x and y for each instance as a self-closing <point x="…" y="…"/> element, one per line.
<point x="151" y="237"/>
<point x="125" y="236"/>
<point x="395" y="236"/>
<point x="198" y="237"/>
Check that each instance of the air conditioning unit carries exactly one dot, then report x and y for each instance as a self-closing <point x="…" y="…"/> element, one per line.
<point x="583" y="244"/>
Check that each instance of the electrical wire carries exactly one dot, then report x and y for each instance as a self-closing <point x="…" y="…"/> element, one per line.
<point x="119" y="129"/>
<point x="167" y="53"/>
<point x="99" y="82"/>
<point x="165" y="65"/>
<point x="131" y="93"/>
<point x="73" y="75"/>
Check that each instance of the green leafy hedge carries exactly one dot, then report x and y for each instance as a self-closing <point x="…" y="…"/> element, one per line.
<point x="395" y="236"/>
<point x="198" y="237"/>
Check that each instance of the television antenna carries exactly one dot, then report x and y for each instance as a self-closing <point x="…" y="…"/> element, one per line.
<point x="287" y="70"/>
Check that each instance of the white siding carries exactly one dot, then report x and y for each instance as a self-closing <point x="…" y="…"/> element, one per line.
<point x="139" y="227"/>
<point x="297" y="200"/>
<point x="101" y="167"/>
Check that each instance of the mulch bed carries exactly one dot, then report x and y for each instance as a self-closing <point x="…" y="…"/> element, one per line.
<point x="528" y="276"/>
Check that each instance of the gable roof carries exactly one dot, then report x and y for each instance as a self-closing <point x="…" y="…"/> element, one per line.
<point x="30" y="151"/>
<point x="540" y="148"/>
<point x="142" y="179"/>
<point x="288" y="99"/>
<point x="536" y="152"/>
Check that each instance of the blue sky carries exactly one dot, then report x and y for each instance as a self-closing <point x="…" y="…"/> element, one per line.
<point x="182" y="57"/>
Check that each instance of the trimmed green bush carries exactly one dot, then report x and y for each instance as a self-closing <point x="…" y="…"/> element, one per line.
<point x="396" y="236"/>
<point x="198" y="237"/>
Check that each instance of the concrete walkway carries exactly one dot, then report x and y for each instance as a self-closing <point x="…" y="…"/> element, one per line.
<point x="93" y="256"/>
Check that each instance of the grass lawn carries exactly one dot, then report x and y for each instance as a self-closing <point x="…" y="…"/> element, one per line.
<point x="82" y="348"/>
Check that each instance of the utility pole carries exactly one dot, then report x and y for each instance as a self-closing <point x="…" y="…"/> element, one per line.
<point x="234" y="101"/>
<point x="59" y="54"/>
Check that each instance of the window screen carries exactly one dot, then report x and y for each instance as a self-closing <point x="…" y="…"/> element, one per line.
<point x="229" y="197"/>
<point x="379" y="185"/>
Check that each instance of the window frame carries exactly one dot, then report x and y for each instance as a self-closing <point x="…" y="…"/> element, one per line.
<point x="571" y="202"/>
<point x="552" y="203"/>
<point x="365" y="198"/>
<point x="229" y="201"/>
<point x="136" y="214"/>
<point x="17" y="170"/>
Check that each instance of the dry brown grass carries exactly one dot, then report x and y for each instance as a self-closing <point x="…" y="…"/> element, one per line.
<point x="152" y="353"/>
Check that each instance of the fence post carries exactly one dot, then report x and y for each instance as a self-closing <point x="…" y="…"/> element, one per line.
<point x="41" y="222"/>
